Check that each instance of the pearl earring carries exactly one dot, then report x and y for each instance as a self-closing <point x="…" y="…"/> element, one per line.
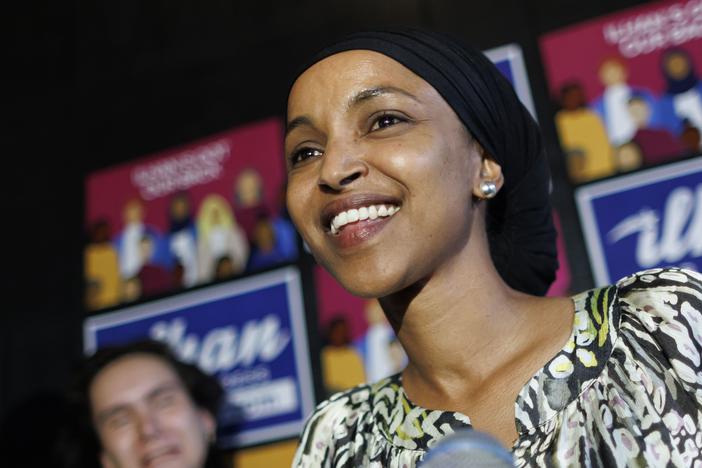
<point x="488" y="189"/>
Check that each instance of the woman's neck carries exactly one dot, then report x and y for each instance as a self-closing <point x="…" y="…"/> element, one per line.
<point x="464" y="326"/>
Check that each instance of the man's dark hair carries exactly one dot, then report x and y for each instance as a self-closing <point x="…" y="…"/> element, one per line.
<point x="205" y="390"/>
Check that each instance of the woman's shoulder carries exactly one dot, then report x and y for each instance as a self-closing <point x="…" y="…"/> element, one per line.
<point x="661" y="309"/>
<point x="667" y="294"/>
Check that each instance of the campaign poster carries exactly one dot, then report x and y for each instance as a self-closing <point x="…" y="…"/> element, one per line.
<point x="250" y="333"/>
<point x="649" y="219"/>
<point x="627" y="88"/>
<point x="207" y="211"/>
<point x="510" y="61"/>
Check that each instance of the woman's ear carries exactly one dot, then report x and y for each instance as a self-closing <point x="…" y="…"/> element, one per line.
<point x="489" y="180"/>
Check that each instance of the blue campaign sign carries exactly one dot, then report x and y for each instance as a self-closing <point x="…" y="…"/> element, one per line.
<point x="649" y="219"/>
<point x="250" y="333"/>
<point x="510" y="61"/>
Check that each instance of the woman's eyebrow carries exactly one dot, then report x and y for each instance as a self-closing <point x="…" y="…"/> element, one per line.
<point x="378" y="91"/>
<point x="297" y="122"/>
<point x="355" y="100"/>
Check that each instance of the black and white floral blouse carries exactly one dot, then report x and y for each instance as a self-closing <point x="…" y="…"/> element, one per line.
<point x="625" y="390"/>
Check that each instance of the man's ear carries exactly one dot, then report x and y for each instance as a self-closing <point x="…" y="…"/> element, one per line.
<point x="208" y="424"/>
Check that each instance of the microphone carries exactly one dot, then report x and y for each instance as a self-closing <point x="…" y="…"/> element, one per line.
<point x="468" y="448"/>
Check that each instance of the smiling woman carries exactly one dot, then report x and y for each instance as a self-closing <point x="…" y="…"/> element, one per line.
<point x="416" y="176"/>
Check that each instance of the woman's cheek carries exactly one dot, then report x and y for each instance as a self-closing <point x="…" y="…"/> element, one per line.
<point x="403" y="158"/>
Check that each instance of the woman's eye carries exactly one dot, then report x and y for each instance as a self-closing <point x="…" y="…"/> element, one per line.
<point x="384" y="121"/>
<point x="304" y="154"/>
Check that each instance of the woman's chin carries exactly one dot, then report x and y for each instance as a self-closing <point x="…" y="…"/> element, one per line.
<point x="370" y="285"/>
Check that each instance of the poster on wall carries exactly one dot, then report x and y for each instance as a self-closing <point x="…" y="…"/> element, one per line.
<point x="250" y="333"/>
<point x="628" y="88"/>
<point x="210" y="210"/>
<point x="649" y="219"/>
<point x="510" y="61"/>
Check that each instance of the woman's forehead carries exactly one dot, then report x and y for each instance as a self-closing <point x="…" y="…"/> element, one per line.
<point x="345" y="74"/>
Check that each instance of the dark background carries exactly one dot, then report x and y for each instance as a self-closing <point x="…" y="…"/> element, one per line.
<point x="92" y="84"/>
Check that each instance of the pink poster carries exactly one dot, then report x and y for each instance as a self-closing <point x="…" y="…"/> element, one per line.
<point x="628" y="88"/>
<point x="203" y="212"/>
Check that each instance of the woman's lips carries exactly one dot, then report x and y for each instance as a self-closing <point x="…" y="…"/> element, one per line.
<point x="352" y="220"/>
<point x="371" y="212"/>
<point x="356" y="203"/>
<point x="358" y="232"/>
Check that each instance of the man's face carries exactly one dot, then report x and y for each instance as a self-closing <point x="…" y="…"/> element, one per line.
<point x="144" y="416"/>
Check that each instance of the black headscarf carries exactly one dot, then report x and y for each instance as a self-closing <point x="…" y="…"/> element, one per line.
<point x="519" y="224"/>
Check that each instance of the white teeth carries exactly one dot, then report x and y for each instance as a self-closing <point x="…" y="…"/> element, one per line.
<point x="360" y="214"/>
<point x="372" y="212"/>
<point x="343" y="219"/>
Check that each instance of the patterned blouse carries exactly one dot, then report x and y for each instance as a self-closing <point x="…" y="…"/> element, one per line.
<point x="625" y="390"/>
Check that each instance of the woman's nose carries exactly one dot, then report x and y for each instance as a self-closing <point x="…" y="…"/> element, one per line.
<point x="341" y="166"/>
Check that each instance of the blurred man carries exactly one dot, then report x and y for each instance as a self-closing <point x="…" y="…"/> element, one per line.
<point x="148" y="409"/>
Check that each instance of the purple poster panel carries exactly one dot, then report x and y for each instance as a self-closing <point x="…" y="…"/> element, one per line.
<point x="645" y="220"/>
<point x="510" y="61"/>
<point x="628" y="88"/>
<point x="204" y="212"/>
<point x="250" y="333"/>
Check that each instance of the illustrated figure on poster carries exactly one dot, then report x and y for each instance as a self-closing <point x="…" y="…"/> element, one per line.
<point x="219" y="236"/>
<point x="256" y="220"/>
<point x="342" y="366"/>
<point x="129" y="241"/>
<point x="285" y="234"/>
<point x="101" y="269"/>
<point x="153" y="278"/>
<point x="378" y="345"/>
<point x="248" y="200"/>
<point x="657" y="144"/>
<point x="628" y="157"/>
<point x="583" y="136"/>
<point x="131" y="289"/>
<point x="690" y="138"/>
<point x="613" y="105"/>
<point x="182" y="242"/>
<point x="683" y="96"/>
<point x="273" y="243"/>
